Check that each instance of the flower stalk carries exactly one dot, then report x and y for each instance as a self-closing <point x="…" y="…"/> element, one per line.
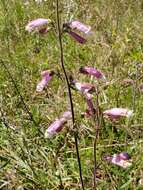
<point x="69" y="92"/>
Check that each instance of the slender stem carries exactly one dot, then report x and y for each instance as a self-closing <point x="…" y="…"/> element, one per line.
<point x="69" y="93"/>
<point x="21" y="97"/>
<point x="96" y="137"/>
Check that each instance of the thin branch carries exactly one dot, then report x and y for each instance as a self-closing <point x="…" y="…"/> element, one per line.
<point x="69" y="93"/>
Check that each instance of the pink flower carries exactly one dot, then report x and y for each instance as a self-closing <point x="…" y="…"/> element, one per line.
<point x="37" y="25"/>
<point x="46" y="76"/>
<point x="83" y="87"/>
<point x="77" y="37"/>
<point x="77" y="25"/>
<point x="90" y="111"/>
<point x="57" y="125"/>
<point x="122" y="160"/>
<point x="90" y="106"/>
<point x="116" y="113"/>
<point x="74" y="26"/>
<point x="92" y="71"/>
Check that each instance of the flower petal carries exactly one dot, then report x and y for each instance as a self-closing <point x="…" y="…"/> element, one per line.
<point x="57" y="125"/>
<point x="36" y="24"/>
<point x="77" y="37"/>
<point x="116" y="113"/>
<point x="46" y="77"/>
<point x="77" y="25"/>
<point x="92" y="71"/>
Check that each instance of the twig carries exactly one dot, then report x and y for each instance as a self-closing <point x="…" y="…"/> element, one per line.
<point x="69" y="93"/>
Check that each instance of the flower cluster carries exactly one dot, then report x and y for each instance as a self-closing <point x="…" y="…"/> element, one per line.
<point x="75" y="29"/>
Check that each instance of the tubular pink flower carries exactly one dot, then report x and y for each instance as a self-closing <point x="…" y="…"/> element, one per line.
<point x="92" y="71"/>
<point x="37" y="25"/>
<point x="83" y="87"/>
<point x="116" y="113"/>
<point x="46" y="77"/>
<point x="122" y="160"/>
<point x="124" y="156"/>
<point x="86" y="89"/>
<point x="90" y="109"/>
<point x="77" y="37"/>
<point x="77" y="25"/>
<point x="57" y="125"/>
<point x="72" y="28"/>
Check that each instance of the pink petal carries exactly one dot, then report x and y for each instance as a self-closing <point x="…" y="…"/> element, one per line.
<point x="57" y="125"/>
<point x="83" y="87"/>
<point x="91" y="71"/>
<point x="67" y="115"/>
<point x="77" y="37"/>
<point x="116" y="113"/>
<point x="77" y="25"/>
<point x="124" y="156"/>
<point x="46" y="77"/>
<point x="121" y="160"/>
<point x="90" y="109"/>
<point x="36" y="24"/>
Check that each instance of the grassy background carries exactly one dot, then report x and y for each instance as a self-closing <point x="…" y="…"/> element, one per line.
<point x="27" y="160"/>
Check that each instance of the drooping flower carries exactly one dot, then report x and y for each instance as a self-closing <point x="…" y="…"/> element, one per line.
<point x="91" y="71"/>
<point x="116" y="113"/>
<point x="46" y="77"/>
<point x="58" y="124"/>
<point x="86" y="89"/>
<point x="77" y="25"/>
<point x="90" y="106"/>
<point x="77" y="37"/>
<point x="83" y="87"/>
<point x="76" y="29"/>
<point x="39" y="25"/>
<point x="122" y="160"/>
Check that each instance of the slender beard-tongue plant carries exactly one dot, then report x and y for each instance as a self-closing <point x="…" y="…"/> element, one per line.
<point x="69" y="91"/>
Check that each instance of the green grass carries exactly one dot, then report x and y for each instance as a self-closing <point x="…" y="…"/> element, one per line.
<point x="28" y="161"/>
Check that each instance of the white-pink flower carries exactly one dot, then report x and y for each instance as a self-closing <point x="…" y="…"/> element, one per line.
<point x="116" y="113"/>
<point x="77" y="25"/>
<point x="122" y="159"/>
<point x="57" y="125"/>
<point x="46" y="76"/>
<point x="37" y="25"/>
<point x="83" y="87"/>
